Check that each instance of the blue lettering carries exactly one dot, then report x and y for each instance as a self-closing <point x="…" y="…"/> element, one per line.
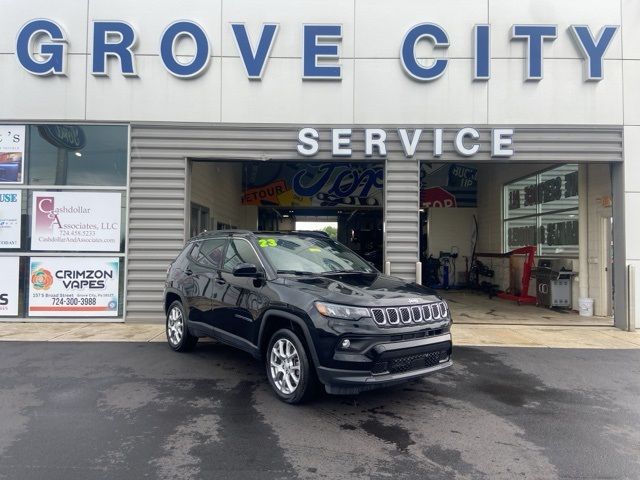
<point x="121" y="49"/>
<point x="438" y="37"/>
<point x="54" y="52"/>
<point x="535" y="35"/>
<point x="8" y="197"/>
<point x="312" y="51"/>
<point x="482" y="53"/>
<point x="254" y="62"/>
<point x="198" y="64"/>
<point x="593" y="50"/>
<point x="326" y="169"/>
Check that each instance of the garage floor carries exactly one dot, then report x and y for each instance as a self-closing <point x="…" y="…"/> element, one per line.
<point x="477" y="308"/>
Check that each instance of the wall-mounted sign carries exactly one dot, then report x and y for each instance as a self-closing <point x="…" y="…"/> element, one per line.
<point x="12" y="141"/>
<point x="9" y="286"/>
<point x="76" y="221"/>
<point x="314" y="184"/>
<point x="68" y="137"/>
<point x="466" y="142"/>
<point x="10" y="218"/>
<point x="74" y="287"/>
<point x="320" y="48"/>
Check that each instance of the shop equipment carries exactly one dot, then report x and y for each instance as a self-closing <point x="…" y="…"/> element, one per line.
<point x="553" y="284"/>
<point x="524" y="296"/>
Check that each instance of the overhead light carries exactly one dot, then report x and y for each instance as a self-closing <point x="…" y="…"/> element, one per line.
<point x="286" y="215"/>
<point x="78" y="154"/>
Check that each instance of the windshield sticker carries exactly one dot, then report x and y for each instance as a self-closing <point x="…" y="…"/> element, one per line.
<point x="267" y="242"/>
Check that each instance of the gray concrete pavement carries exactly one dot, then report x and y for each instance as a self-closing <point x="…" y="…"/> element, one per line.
<point x="138" y="410"/>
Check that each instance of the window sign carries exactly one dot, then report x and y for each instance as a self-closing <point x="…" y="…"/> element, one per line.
<point x="76" y="221"/>
<point x="10" y="218"/>
<point x="12" y="141"/>
<point x="9" y="286"/>
<point x="74" y="287"/>
<point x="542" y="210"/>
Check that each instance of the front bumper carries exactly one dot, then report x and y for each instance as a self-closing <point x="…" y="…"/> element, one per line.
<point x="392" y="363"/>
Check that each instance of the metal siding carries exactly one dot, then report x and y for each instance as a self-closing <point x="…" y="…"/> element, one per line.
<point x="159" y="196"/>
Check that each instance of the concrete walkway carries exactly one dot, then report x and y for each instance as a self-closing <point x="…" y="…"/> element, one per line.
<point x="464" y="334"/>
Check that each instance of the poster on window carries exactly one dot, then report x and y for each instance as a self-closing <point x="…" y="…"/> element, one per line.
<point x="74" y="287"/>
<point x="12" y="141"/>
<point x="76" y="221"/>
<point x="10" y="218"/>
<point x="10" y="268"/>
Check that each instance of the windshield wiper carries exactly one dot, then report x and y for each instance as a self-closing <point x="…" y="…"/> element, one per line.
<point x="294" y="272"/>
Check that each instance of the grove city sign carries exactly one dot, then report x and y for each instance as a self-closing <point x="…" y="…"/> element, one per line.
<point x="41" y="49"/>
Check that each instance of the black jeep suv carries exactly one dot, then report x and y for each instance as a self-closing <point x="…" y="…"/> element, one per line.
<point x="312" y="309"/>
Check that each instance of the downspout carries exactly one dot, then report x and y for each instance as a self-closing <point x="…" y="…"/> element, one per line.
<point x="583" y="222"/>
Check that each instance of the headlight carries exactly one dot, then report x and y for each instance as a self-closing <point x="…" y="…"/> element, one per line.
<point x="341" y="311"/>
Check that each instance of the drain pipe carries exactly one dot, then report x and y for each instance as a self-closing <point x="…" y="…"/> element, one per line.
<point x="583" y="222"/>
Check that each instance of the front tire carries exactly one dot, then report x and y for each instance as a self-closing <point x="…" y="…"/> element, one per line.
<point x="178" y="336"/>
<point x="289" y="369"/>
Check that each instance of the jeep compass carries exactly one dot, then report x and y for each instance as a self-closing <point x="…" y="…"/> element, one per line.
<point x="310" y="308"/>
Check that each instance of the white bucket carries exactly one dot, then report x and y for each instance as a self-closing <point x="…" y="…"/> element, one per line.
<point x="585" y="305"/>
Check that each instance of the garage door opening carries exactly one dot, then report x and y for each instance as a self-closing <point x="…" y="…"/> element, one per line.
<point x="342" y="199"/>
<point x="519" y="243"/>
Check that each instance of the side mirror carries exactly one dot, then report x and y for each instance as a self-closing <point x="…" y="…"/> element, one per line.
<point x="247" y="270"/>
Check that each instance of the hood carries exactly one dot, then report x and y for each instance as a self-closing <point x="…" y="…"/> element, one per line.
<point x="362" y="289"/>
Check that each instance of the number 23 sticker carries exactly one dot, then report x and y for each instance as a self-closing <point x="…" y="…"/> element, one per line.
<point x="267" y="242"/>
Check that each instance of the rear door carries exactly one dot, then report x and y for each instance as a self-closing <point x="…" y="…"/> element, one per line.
<point x="242" y="299"/>
<point x="206" y="258"/>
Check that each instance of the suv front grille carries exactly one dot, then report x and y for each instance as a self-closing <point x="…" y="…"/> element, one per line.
<point x="415" y="314"/>
<point x="410" y="362"/>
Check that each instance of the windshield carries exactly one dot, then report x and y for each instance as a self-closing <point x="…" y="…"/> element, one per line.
<point x="299" y="254"/>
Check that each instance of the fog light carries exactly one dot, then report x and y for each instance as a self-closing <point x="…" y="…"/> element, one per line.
<point x="346" y="343"/>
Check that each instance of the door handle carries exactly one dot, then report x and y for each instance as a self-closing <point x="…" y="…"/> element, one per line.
<point x="220" y="281"/>
<point x="188" y="271"/>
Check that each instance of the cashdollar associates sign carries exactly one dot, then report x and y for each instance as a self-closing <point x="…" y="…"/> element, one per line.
<point x="76" y="221"/>
<point x="74" y="287"/>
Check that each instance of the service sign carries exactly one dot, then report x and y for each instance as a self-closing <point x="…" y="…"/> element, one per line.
<point x="76" y="221"/>
<point x="10" y="218"/>
<point x="10" y="268"/>
<point x="73" y="287"/>
<point x="12" y="141"/>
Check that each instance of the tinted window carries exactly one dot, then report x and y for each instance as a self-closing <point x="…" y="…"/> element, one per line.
<point x="240" y="251"/>
<point x="209" y="252"/>
<point x="100" y="159"/>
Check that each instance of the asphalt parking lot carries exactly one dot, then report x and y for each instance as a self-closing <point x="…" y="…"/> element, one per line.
<point x="138" y="410"/>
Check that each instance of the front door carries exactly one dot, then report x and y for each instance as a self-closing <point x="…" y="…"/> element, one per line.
<point x="242" y="299"/>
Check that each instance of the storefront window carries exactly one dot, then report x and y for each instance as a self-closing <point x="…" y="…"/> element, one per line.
<point x="78" y="155"/>
<point x="63" y="221"/>
<point x="542" y="210"/>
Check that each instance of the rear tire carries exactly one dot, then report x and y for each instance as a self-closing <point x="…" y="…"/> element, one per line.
<point x="289" y="368"/>
<point x="178" y="336"/>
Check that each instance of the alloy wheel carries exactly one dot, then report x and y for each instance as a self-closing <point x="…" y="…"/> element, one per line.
<point x="285" y="366"/>
<point x="175" y="326"/>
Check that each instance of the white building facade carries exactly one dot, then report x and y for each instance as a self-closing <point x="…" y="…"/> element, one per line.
<point x="521" y="86"/>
